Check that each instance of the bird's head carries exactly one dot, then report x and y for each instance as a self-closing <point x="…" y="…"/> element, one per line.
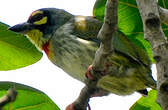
<point x="42" y="24"/>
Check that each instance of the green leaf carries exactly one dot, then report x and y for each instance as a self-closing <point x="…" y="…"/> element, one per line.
<point x="129" y="21"/>
<point x="147" y="103"/>
<point x="16" y="51"/>
<point x="28" y="98"/>
<point x="163" y="3"/>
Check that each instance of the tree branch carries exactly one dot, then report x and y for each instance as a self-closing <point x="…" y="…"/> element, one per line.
<point x="154" y="34"/>
<point x="105" y="34"/>
<point x="82" y="101"/>
<point x="163" y="15"/>
<point x="9" y="97"/>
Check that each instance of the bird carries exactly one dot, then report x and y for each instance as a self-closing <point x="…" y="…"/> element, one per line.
<point x="70" y="42"/>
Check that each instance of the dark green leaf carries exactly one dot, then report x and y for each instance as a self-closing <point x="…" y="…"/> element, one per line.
<point x="28" y="98"/>
<point x="16" y="51"/>
<point x="147" y="103"/>
<point x="129" y="21"/>
<point x="163" y="3"/>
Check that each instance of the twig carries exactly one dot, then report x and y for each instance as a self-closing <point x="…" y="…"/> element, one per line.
<point x="163" y="15"/>
<point x="9" y="97"/>
<point x="82" y="102"/>
<point x="105" y="34"/>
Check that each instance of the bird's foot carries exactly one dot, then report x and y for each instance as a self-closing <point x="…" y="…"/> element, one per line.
<point x="74" y="106"/>
<point x="70" y="107"/>
<point x="89" y="73"/>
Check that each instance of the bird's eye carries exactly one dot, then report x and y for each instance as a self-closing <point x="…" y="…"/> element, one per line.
<point x="37" y="18"/>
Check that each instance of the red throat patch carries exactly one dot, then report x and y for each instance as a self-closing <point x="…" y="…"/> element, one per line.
<point x="46" y="48"/>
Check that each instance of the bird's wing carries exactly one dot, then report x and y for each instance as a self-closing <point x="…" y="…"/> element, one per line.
<point x="87" y="28"/>
<point x="122" y="44"/>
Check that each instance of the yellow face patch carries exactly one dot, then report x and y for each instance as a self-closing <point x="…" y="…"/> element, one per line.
<point x="42" y="21"/>
<point x="36" y="12"/>
<point x="35" y="36"/>
<point x="34" y="31"/>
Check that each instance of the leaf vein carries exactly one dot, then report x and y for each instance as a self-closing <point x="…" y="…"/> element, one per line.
<point x="128" y="17"/>
<point x="128" y="4"/>
<point x="31" y="106"/>
<point x="10" y="45"/>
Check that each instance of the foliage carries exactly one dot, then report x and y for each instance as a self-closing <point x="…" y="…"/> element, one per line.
<point x="147" y="103"/>
<point x="129" y="21"/>
<point x="28" y="98"/>
<point x="16" y="51"/>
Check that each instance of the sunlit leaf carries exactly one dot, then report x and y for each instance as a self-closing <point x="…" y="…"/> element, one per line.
<point x="147" y="103"/>
<point x="16" y="51"/>
<point x="28" y="98"/>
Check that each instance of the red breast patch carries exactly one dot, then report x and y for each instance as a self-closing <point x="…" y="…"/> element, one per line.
<point x="46" y="48"/>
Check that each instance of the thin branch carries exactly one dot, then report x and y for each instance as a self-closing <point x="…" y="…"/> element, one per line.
<point x="105" y="34"/>
<point x="9" y="97"/>
<point x="153" y="32"/>
<point x="163" y="15"/>
<point x="82" y="101"/>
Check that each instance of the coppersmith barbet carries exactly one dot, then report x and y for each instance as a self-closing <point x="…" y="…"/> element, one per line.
<point x="70" y="42"/>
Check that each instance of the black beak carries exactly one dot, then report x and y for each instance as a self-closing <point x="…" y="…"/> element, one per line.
<point x="22" y="28"/>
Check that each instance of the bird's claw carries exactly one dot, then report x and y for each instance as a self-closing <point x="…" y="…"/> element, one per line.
<point x="70" y="107"/>
<point x="90" y="76"/>
<point x="88" y="73"/>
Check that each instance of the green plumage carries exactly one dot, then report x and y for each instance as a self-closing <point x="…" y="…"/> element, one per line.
<point x="73" y="43"/>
